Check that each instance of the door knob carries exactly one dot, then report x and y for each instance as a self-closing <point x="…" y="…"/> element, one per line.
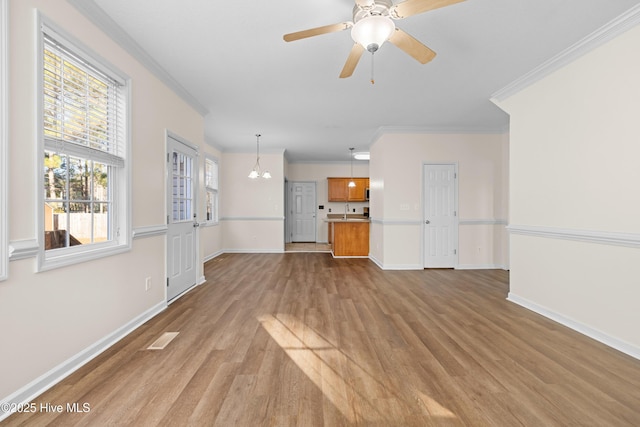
<point x="427" y="222"/>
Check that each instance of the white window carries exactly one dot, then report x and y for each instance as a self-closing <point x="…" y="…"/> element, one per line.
<point x="211" y="185"/>
<point x="84" y="155"/>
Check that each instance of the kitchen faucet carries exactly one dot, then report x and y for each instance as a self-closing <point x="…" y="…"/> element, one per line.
<point x="346" y="209"/>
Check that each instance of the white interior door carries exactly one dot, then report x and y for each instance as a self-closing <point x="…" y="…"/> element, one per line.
<point x="181" y="219"/>
<point x="303" y="211"/>
<point x="440" y="216"/>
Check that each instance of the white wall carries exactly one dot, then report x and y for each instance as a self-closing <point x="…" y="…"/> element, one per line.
<point x="396" y="179"/>
<point x="252" y="211"/>
<point x="575" y="198"/>
<point x="318" y="173"/>
<point x="53" y="319"/>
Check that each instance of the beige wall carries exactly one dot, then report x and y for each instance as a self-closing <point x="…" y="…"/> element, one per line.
<point x="252" y="211"/>
<point x="575" y="199"/>
<point x="318" y="173"/>
<point x="396" y="169"/>
<point x="55" y="317"/>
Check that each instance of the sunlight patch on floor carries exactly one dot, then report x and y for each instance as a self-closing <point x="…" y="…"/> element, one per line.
<point x="434" y="408"/>
<point x="327" y="366"/>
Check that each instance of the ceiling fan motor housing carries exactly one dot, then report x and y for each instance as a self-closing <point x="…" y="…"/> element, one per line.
<point x="377" y="8"/>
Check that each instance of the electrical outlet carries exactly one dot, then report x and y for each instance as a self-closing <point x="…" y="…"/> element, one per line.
<point x="147" y="283"/>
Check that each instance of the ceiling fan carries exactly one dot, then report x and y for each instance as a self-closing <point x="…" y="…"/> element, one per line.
<point x="372" y="25"/>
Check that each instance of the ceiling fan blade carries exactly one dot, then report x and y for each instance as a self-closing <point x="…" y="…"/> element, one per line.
<point x="352" y="61"/>
<point x="411" y="46"/>
<point x="414" y="7"/>
<point x="317" y="31"/>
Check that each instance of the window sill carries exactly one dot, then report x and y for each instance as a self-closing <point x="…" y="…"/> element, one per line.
<point x="49" y="262"/>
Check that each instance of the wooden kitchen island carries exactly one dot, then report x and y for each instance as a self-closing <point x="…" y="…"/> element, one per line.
<point x="349" y="237"/>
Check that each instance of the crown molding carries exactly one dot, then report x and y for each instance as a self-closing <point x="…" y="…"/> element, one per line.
<point x="612" y="29"/>
<point x="213" y="144"/>
<point x="103" y="21"/>
<point x="442" y="130"/>
<point x="235" y="150"/>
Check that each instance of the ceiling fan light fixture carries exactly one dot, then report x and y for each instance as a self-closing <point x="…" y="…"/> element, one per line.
<point x="372" y="31"/>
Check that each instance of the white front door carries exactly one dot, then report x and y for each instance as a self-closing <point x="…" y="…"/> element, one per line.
<point x="440" y="216"/>
<point x="303" y="211"/>
<point x="181" y="219"/>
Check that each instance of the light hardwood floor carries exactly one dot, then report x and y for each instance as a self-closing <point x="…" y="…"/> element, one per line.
<point x="301" y="339"/>
<point x="307" y="247"/>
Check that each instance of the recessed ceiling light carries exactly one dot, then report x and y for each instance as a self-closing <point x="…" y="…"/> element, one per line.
<point x="363" y="155"/>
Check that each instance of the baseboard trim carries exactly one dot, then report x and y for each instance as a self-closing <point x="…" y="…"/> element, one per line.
<point x="595" y="334"/>
<point x="212" y="256"/>
<point x="254" y="251"/>
<point x="395" y="266"/>
<point x="49" y="379"/>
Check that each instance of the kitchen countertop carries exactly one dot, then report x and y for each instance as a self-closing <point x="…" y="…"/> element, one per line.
<point x="350" y="218"/>
<point x="347" y="220"/>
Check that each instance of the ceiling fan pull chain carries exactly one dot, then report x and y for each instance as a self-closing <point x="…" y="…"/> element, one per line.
<point x="372" y="79"/>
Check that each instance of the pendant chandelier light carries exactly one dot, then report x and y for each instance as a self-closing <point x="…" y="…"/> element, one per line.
<point x="255" y="173"/>
<point x="352" y="183"/>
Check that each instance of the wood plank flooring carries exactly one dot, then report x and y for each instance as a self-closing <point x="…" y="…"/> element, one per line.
<point x="301" y="339"/>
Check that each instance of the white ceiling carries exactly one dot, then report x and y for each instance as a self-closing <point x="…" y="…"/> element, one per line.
<point x="231" y="58"/>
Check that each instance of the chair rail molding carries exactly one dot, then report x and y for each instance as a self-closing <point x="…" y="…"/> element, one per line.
<point x="149" y="231"/>
<point x="22" y="249"/>
<point x="631" y="240"/>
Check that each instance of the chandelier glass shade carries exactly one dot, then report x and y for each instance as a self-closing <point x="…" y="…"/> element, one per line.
<point x="372" y="31"/>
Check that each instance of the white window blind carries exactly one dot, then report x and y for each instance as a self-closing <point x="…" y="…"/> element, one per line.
<point x="83" y="107"/>
<point x="211" y="174"/>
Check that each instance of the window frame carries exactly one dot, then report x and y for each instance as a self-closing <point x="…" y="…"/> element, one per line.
<point x="4" y="139"/>
<point x="120" y="216"/>
<point x="214" y="191"/>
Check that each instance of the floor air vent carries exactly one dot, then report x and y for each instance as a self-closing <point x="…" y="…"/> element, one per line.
<point x="163" y="341"/>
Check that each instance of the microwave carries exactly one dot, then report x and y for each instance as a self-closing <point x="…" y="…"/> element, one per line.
<point x="366" y="194"/>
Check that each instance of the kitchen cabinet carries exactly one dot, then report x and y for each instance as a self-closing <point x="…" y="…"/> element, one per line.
<point x="339" y="190"/>
<point x="349" y="238"/>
